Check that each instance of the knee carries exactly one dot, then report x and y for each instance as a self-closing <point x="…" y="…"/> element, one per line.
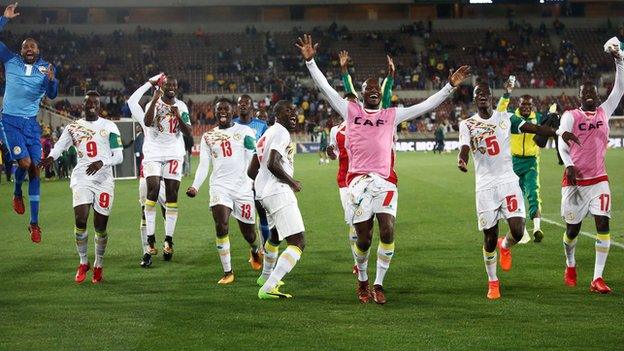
<point x="386" y="233"/>
<point x="24" y="163"/>
<point x="602" y="224"/>
<point x="297" y="240"/>
<point x="81" y="223"/>
<point x="222" y="228"/>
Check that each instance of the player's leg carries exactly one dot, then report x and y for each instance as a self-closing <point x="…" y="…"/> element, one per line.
<point x="271" y="251"/>
<point x="101" y="210"/>
<point x="385" y="252"/>
<point x="490" y="240"/>
<point x="172" y="175"/>
<point x="532" y="191"/>
<point x="603" y="243"/>
<point x="364" y="231"/>
<point x="146" y="261"/>
<point x="81" y="215"/>
<point x="34" y="194"/>
<point x="244" y="212"/>
<point x="573" y="209"/>
<point x="351" y="235"/>
<point x="100" y="222"/>
<point x="289" y="225"/>
<point x="512" y="208"/>
<point x="16" y="143"/>
<point x="152" y="171"/>
<point x="570" y="237"/>
<point x="221" y="216"/>
<point x="264" y="223"/>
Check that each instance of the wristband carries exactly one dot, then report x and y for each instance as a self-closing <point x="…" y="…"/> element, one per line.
<point x="559" y="132"/>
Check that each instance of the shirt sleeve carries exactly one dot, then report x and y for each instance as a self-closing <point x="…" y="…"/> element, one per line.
<point x="5" y="53"/>
<point x="414" y="111"/>
<point x="184" y="114"/>
<point x="386" y="95"/>
<point x="280" y="143"/>
<point x="503" y="103"/>
<point x="133" y="103"/>
<point x="205" y="158"/>
<point x="114" y="137"/>
<point x="335" y="100"/>
<point x="348" y="84"/>
<point x="516" y="123"/>
<point x="614" y="98"/>
<point x="464" y="134"/>
<point x="62" y="144"/>
<point x="332" y="139"/>
<point x="567" y="124"/>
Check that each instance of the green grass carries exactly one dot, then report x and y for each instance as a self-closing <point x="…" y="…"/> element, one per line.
<point x="435" y="287"/>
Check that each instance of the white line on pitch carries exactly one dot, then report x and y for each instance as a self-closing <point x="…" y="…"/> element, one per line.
<point x="582" y="232"/>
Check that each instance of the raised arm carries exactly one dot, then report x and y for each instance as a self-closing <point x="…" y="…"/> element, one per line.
<point x="614" y="98"/>
<point x="347" y="82"/>
<point x="308" y="51"/>
<point x="9" y="13"/>
<point x="455" y="78"/>
<point x="51" y="83"/>
<point x="133" y="103"/>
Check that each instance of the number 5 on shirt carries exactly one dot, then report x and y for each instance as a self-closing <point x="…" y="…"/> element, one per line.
<point x="492" y="146"/>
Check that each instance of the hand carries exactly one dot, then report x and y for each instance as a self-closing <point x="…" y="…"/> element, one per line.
<point x="9" y="11"/>
<point x="331" y="152"/>
<point x="94" y="167"/>
<point x="461" y="164"/>
<point x="50" y="72"/>
<point x="191" y="192"/>
<point x="571" y="175"/>
<point x="508" y="87"/>
<point x="391" y="69"/>
<point x="308" y="50"/>
<point x="158" y="93"/>
<point x="46" y="162"/>
<point x="614" y="50"/>
<point x="567" y="136"/>
<point x="174" y="110"/>
<point x="158" y="79"/>
<point x="455" y="78"/>
<point x="296" y="186"/>
<point x="344" y="60"/>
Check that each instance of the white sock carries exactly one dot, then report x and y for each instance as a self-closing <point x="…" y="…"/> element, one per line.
<point x="384" y="256"/>
<point x="82" y="241"/>
<point x="223" y="248"/>
<point x="361" y="259"/>
<point x="150" y="217"/>
<point x="101" y="239"/>
<point x="270" y="259"/>
<point x="536" y="224"/>
<point x="509" y="241"/>
<point x="143" y="230"/>
<point x="490" y="264"/>
<point x="603" y="243"/>
<point x="352" y="241"/>
<point x="569" y="246"/>
<point x="287" y="260"/>
<point x="171" y="217"/>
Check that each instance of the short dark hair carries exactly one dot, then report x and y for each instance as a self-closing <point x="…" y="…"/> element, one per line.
<point x="223" y="99"/>
<point x="245" y="96"/>
<point x="526" y="97"/>
<point x="92" y="93"/>
<point x="31" y="39"/>
<point x="279" y="106"/>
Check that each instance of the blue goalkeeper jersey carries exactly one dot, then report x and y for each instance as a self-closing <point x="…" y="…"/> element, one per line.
<point x="259" y="126"/>
<point x="26" y="84"/>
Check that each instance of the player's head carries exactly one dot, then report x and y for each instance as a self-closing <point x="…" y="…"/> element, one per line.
<point x="482" y="95"/>
<point x="245" y="105"/>
<point x="91" y="104"/>
<point x="371" y="91"/>
<point x="526" y="105"/>
<point x="285" y="114"/>
<point x="30" y="51"/>
<point x="351" y="97"/>
<point x="170" y="87"/>
<point x="262" y="115"/>
<point x="588" y="93"/>
<point x="223" y="111"/>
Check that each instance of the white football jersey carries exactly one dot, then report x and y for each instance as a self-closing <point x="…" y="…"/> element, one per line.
<point x="163" y="140"/>
<point x="276" y="138"/>
<point x="229" y="151"/>
<point x="489" y="141"/>
<point x="94" y="141"/>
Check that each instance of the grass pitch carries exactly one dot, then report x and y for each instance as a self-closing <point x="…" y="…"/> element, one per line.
<point x="435" y="287"/>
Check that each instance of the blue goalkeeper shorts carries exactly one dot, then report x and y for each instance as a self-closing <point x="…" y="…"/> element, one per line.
<point x="23" y="136"/>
